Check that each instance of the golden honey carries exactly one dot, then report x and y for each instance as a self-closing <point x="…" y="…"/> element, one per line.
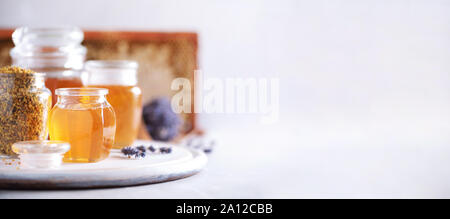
<point x="87" y="123"/>
<point x="120" y="78"/>
<point x="54" y="83"/>
<point x="127" y="104"/>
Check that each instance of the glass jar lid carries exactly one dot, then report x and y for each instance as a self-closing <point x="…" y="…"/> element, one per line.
<point x="48" y="47"/>
<point x="48" y="37"/>
<point x="41" y="154"/>
<point x="41" y="147"/>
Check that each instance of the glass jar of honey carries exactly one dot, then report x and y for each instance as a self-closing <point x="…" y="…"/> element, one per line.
<point x="57" y="52"/>
<point x="84" y="118"/>
<point x="120" y="78"/>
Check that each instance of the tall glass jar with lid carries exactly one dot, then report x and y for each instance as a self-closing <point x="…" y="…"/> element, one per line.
<point x="57" y="52"/>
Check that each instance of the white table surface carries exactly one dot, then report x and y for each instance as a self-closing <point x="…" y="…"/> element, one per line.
<point x="300" y="160"/>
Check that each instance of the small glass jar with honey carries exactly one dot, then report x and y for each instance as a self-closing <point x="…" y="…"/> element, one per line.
<point x="120" y="78"/>
<point x="84" y="118"/>
<point x="57" y="52"/>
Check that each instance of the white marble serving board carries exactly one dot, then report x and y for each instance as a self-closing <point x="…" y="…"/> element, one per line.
<point x="116" y="171"/>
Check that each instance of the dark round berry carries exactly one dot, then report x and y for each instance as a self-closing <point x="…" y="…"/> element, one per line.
<point x="161" y="122"/>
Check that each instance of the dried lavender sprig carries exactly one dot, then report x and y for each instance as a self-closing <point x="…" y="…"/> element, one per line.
<point x="199" y="143"/>
<point x="141" y="155"/>
<point x="136" y="152"/>
<point x="141" y="148"/>
<point x="151" y="148"/>
<point x="165" y="150"/>
<point x="130" y="151"/>
<point x="141" y="151"/>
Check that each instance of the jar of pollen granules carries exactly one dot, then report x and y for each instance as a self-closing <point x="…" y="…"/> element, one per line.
<point x="25" y="104"/>
<point x="57" y="52"/>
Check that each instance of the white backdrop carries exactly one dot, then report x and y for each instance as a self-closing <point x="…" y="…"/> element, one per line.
<point x="360" y="58"/>
<point x="354" y="73"/>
